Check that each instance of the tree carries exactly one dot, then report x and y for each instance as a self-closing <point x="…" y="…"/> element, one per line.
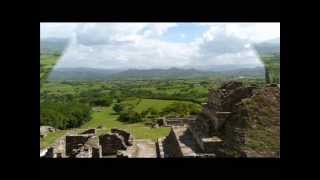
<point x="181" y="109"/>
<point x="153" y="111"/>
<point x="130" y="116"/>
<point x="101" y="101"/>
<point x="117" y="107"/>
<point x="63" y="115"/>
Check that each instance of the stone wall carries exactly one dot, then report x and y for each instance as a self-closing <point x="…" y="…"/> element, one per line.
<point x="111" y="143"/>
<point x="126" y="136"/>
<point x="74" y="142"/>
<point x="159" y="148"/>
<point x="207" y="144"/>
<point x="179" y="121"/>
<point x="89" y="131"/>
<point x="171" y="145"/>
<point x="237" y="119"/>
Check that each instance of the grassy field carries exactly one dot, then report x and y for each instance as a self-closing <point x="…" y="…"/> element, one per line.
<point x="155" y="103"/>
<point x="107" y="119"/>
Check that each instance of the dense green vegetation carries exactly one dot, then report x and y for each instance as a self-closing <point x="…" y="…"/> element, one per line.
<point x="105" y="118"/>
<point x="272" y="66"/>
<point x="64" y="115"/>
<point x="47" y="61"/>
<point x="132" y="105"/>
<point x="51" y="138"/>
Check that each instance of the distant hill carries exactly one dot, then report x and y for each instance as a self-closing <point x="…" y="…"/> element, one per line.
<point x="53" y="45"/>
<point x="81" y="74"/>
<point x="159" y="74"/>
<point x="62" y="74"/>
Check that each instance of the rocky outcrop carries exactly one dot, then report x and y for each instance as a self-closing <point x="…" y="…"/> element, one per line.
<point x="254" y="128"/>
<point x="219" y="107"/>
<point x="237" y="121"/>
<point x="246" y="118"/>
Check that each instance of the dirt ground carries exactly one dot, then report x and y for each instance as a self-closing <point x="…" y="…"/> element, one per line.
<point x="143" y="149"/>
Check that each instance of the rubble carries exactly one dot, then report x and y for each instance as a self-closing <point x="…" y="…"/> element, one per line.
<point x="87" y="145"/>
<point x="111" y="143"/>
<point x="237" y="121"/>
<point x="233" y="121"/>
<point x="89" y="131"/>
<point x="126" y="136"/>
<point x="44" y="130"/>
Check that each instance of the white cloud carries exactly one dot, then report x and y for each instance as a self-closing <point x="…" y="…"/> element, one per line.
<point x="138" y="45"/>
<point x="157" y="29"/>
<point x="58" y="30"/>
<point x="254" y="32"/>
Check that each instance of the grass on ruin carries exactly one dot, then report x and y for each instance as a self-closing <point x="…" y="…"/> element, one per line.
<point x="51" y="138"/>
<point x="106" y="118"/>
<point x="158" y="104"/>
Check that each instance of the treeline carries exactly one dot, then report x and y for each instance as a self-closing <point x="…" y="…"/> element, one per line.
<point x="177" y="109"/>
<point x="191" y="96"/>
<point x="64" y="115"/>
<point x="70" y="111"/>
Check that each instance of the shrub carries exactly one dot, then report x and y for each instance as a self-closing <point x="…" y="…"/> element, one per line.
<point x="63" y="115"/>
<point x="130" y="116"/>
<point x="117" y="107"/>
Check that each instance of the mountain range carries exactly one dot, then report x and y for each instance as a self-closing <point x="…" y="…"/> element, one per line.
<point x="138" y="74"/>
<point x="54" y="45"/>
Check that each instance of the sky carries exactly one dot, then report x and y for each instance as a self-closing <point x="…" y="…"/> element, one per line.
<point x="159" y="45"/>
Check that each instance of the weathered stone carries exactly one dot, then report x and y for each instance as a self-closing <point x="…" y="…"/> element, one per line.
<point x="122" y="154"/>
<point x="230" y="85"/>
<point x="89" y="131"/>
<point x="44" y="130"/>
<point x="96" y="152"/>
<point x="74" y="142"/>
<point x="180" y="143"/>
<point x="229" y="122"/>
<point x="126" y="136"/>
<point x="161" y="121"/>
<point x="155" y="125"/>
<point x="111" y="143"/>
<point x="159" y="148"/>
<point x="84" y="151"/>
<point x="49" y="153"/>
<point x="59" y="155"/>
<point x="43" y="152"/>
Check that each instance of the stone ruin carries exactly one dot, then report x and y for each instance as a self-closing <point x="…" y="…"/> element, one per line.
<point x="234" y="120"/>
<point x="88" y="145"/>
<point x="127" y="137"/>
<point x="229" y="124"/>
<point x="111" y="143"/>
<point x="44" y="130"/>
<point x="176" y="121"/>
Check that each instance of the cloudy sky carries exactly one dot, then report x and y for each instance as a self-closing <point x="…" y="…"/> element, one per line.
<point x="159" y="45"/>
